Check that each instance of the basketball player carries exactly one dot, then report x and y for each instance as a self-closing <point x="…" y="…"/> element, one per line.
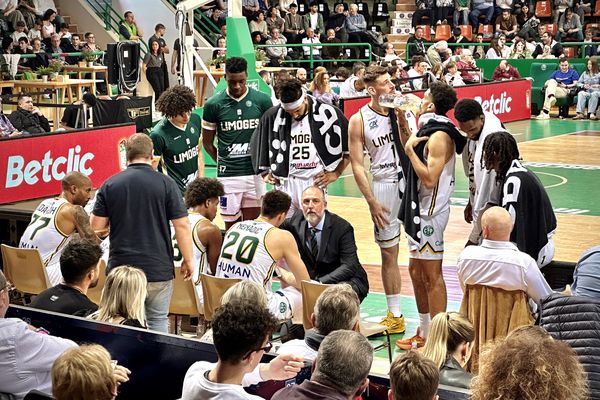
<point x="232" y="115"/>
<point x="202" y="201"/>
<point x="425" y="206"/>
<point x="54" y="222"/>
<point x="375" y="129"/>
<point x="524" y="196"/>
<point x="176" y="137"/>
<point x="317" y="136"/>
<point x="252" y="249"/>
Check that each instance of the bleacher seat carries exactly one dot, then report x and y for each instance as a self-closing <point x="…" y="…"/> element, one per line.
<point x="302" y="7"/>
<point x="597" y="9"/>
<point x="324" y="9"/>
<point x="363" y="9"/>
<point x="551" y="28"/>
<point x="342" y="3"/>
<point x="487" y="31"/>
<point x="380" y="12"/>
<point x="569" y="52"/>
<point x="374" y="28"/>
<point x="543" y="9"/>
<point x="467" y="32"/>
<point x="426" y="32"/>
<point x="442" y="32"/>
<point x="595" y="27"/>
<point x="539" y="73"/>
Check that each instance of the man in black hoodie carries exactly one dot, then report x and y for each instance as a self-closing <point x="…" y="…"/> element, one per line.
<point x="27" y="117"/>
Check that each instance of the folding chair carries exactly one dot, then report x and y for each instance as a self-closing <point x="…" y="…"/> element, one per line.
<point x="183" y="299"/>
<point x="95" y="293"/>
<point x="467" y="32"/>
<point x="543" y="9"/>
<point x="24" y="269"/>
<point x="213" y="289"/>
<point x="442" y="32"/>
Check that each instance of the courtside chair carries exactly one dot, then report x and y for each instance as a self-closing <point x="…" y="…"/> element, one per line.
<point x="311" y="292"/>
<point x="539" y="73"/>
<point x="25" y="270"/>
<point x="213" y="289"/>
<point x="442" y="32"/>
<point x="95" y="293"/>
<point x="183" y="299"/>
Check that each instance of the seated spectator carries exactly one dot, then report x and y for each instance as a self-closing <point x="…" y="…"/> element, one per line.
<point x="250" y="8"/>
<point x="123" y="297"/>
<point x="315" y="51"/>
<point x="55" y="48"/>
<point x="399" y="78"/>
<point x="453" y="77"/>
<point x="506" y="23"/>
<point x="23" y="48"/>
<point x="498" y="48"/>
<point x="258" y="24"/>
<point x="424" y="13"/>
<point x="582" y="7"/>
<point x="87" y="372"/>
<point x="546" y="53"/>
<point x="6" y="127"/>
<point x="48" y="28"/>
<point x="277" y="55"/>
<point x="79" y="268"/>
<point x="481" y="7"/>
<point x="461" y="12"/>
<point x="546" y="40"/>
<point x="321" y="89"/>
<point x="413" y="377"/>
<point x="520" y="50"/>
<point x="443" y="9"/>
<point x="340" y="371"/>
<point x="27" y="118"/>
<point x="356" y="26"/>
<point x="76" y="43"/>
<point x="338" y="261"/>
<point x="467" y="67"/>
<point x="499" y="263"/>
<point x="336" y="308"/>
<point x="390" y="53"/>
<point x="586" y="280"/>
<point x="457" y="37"/>
<point x="129" y="28"/>
<point x="313" y="19"/>
<point x="64" y="32"/>
<point x="221" y="51"/>
<point x="19" y="32"/>
<point x="479" y="49"/>
<point x="73" y="118"/>
<point x="43" y="5"/>
<point x="301" y="76"/>
<point x="417" y="47"/>
<point x="448" y="345"/>
<point x="36" y="30"/>
<point x="558" y="85"/>
<point x="560" y="7"/>
<point x="331" y="52"/>
<point x="337" y="22"/>
<point x="274" y="20"/>
<point x="589" y="90"/>
<point x="590" y="50"/>
<point x="294" y="25"/>
<point x="216" y="17"/>
<point x="29" y="11"/>
<point x="419" y="69"/>
<point x="439" y="53"/>
<point x="26" y="353"/>
<point x="569" y="27"/>
<point x="505" y="72"/>
<point x="529" y="365"/>
<point x="527" y="23"/>
<point x="11" y="15"/>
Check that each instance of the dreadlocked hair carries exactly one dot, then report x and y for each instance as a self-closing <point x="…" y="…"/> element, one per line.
<point x="500" y="147"/>
<point x="176" y="101"/>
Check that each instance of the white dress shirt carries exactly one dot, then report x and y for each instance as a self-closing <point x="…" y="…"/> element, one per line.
<point x="502" y="265"/>
<point x="316" y="49"/>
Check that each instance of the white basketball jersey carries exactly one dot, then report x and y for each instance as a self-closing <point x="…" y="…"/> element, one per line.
<point x="436" y="200"/>
<point x="43" y="234"/>
<point x="244" y="254"/>
<point x="304" y="160"/>
<point x="379" y="142"/>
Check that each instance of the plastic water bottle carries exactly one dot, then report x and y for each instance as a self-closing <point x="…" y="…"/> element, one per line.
<point x="406" y="102"/>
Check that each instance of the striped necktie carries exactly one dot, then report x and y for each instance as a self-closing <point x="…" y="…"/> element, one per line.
<point x="314" y="246"/>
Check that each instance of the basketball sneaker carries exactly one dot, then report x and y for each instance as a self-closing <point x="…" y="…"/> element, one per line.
<point x="394" y="324"/>
<point x="411" y="343"/>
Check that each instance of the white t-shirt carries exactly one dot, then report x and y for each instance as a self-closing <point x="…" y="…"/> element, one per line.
<point x="298" y="347"/>
<point x="197" y="386"/>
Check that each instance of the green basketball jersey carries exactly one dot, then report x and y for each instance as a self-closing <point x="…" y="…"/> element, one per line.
<point x="178" y="149"/>
<point x="234" y="121"/>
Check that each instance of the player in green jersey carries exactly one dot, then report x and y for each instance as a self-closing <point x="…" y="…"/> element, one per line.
<point x="176" y="137"/>
<point x="231" y="116"/>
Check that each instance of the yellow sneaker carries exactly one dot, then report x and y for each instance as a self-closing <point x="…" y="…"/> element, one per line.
<point x="394" y="324"/>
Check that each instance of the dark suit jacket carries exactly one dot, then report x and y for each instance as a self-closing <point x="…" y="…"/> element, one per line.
<point x="337" y="260"/>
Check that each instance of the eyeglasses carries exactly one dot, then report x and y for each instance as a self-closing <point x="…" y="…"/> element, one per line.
<point x="266" y="349"/>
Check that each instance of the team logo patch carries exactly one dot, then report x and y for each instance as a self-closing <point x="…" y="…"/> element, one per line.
<point x="248" y="103"/>
<point x="373" y="124"/>
<point x="193" y="130"/>
<point x="282" y="307"/>
<point x="428" y="230"/>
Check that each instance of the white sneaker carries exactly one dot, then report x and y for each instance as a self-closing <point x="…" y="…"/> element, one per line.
<point x="543" y="115"/>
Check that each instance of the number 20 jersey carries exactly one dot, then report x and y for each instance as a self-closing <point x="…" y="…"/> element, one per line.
<point x="43" y="234"/>
<point x="244" y="254"/>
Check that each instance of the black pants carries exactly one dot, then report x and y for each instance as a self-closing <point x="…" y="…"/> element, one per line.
<point x="156" y="78"/>
<point x="418" y="15"/>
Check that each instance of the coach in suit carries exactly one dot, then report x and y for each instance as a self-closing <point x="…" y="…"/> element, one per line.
<point x="326" y="243"/>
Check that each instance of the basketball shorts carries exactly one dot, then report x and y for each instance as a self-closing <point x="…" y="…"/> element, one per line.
<point x="431" y="246"/>
<point x="240" y="192"/>
<point x="285" y="303"/>
<point x="388" y="194"/>
<point x="54" y="275"/>
<point x="294" y="187"/>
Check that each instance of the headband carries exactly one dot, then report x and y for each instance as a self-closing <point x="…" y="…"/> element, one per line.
<point x="294" y="104"/>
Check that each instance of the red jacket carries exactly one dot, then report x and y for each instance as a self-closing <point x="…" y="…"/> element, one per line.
<point x="504" y="74"/>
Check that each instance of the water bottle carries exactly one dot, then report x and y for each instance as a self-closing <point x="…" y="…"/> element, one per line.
<point x="406" y="102"/>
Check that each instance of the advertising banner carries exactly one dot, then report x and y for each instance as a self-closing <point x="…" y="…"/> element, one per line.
<point x="33" y="166"/>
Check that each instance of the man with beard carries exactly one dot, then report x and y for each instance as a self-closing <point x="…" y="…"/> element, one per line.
<point x="79" y="267"/>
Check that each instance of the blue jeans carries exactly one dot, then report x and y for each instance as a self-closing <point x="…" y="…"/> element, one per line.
<point x="157" y="305"/>
<point x="458" y="20"/>
<point x="591" y="98"/>
<point x="474" y="17"/>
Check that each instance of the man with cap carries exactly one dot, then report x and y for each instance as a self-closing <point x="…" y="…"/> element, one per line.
<point x="301" y="142"/>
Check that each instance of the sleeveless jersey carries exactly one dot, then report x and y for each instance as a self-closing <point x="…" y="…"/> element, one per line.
<point x="244" y="254"/>
<point x="304" y="160"/>
<point x="43" y="234"/>
<point x="379" y="142"/>
<point x="433" y="201"/>
<point x="178" y="149"/>
<point x="234" y="121"/>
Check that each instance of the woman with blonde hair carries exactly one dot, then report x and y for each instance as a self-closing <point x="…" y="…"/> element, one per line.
<point x="244" y="292"/>
<point x="123" y="297"/>
<point x="321" y="89"/>
<point x="448" y="345"/>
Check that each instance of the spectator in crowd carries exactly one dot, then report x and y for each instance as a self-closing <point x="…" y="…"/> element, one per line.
<point x="217" y="17"/>
<point x="258" y="24"/>
<point x="79" y="267"/>
<point x="221" y="51"/>
<point x="558" y="85"/>
<point x="499" y="263"/>
<point x="274" y="20"/>
<point x="546" y="53"/>
<point x="413" y="377"/>
<point x="48" y="28"/>
<point x="44" y="5"/>
<point x="6" y="127"/>
<point x="294" y="25"/>
<point x="467" y="67"/>
<point x="336" y="308"/>
<point x="301" y="76"/>
<point x="56" y="47"/>
<point x="527" y="23"/>
<point x="424" y="13"/>
<point x="176" y="62"/>
<point x="36" y="30"/>
<point x="23" y="48"/>
<point x="313" y="19"/>
<point x="524" y="196"/>
<point x="582" y="7"/>
<point x="277" y="55"/>
<point x="520" y="50"/>
<point x="399" y="77"/>
<point x="453" y="77"/>
<point x="589" y="93"/>
<point x="90" y="42"/>
<point x="517" y="6"/>
<point x="129" y="29"/>
<point x="457" y="37"/>
<point x="123" y="296"/>
<point x="438" y="53"/>
<point x="590" y="50"/>
<point x="321" y="89"/>
<point x="76" y="43"/>
<point x="19" y="32"/>
<point x="481" y="7"/>
<point x="26" y="355"/>
<point x="529" y="365"/>
<point x="569" y="26"/>
<point x="443" y="9"/>
<point x="250" y="8"/>
<point x="149" y="249"/>
<point x="505" y="72"/>
<point x="356" y="26"/>
<point x="479" y="49"/>
<point x="586" y="280"/>
<point x="498" y="48"/>
<point x="27" y="117"/>
<point x="337" y="22"/>
<point x="87" y="372"/>
<point x="10" y="14"/>
<point x="436" y="73"/>
<point x="390" y="53"/>
<point x="29" y="11"/>
<point x="506" y="23"/>
<point x="153" y="65"/>
<point x="340" y="371"/>
<point x="461" y="12"/>
<point x="159" y="34"/>
<point x="331" y="52"/>
<point x="419" y="69"/>
<point x="64" y="32"/>
<point x="341" y="74"/>
<point x="417" y="45"/>
<point x="312" y="38"/>
<point x="560" y="7"/>
<point x="354" y="86"/>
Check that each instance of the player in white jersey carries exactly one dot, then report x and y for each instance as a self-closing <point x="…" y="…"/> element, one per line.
<point x="371" y="129"/>
<point x="202" y="201"/>
<point x="54" y="222"/>
<point x="252" y="250"/>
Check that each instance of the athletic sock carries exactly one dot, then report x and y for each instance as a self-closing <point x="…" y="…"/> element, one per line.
<point x="424" y="321"/>
<point x="393" y="303"/>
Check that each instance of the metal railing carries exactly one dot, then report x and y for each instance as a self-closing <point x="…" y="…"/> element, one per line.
<point x="202" y="23"/>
